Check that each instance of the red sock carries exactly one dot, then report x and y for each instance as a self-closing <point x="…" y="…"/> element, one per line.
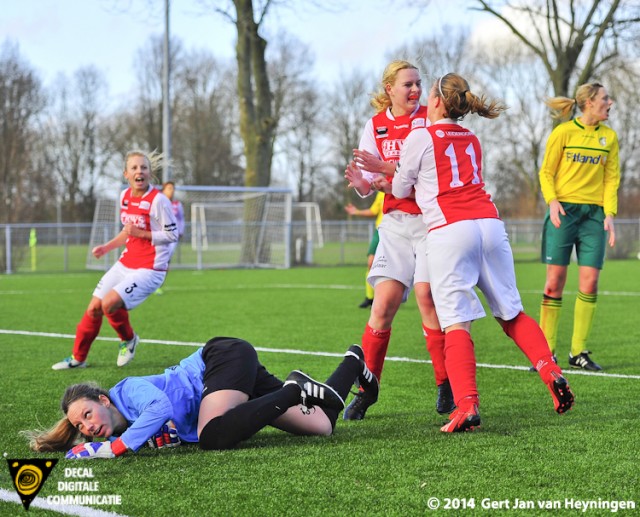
<point x="527" y="334"/>
<point x="460" y="360"/>
<point x="119" y="320"/>
<point x="374" y="346"/>
<point x="435" y="347"/>
<point x="86" y="333"/>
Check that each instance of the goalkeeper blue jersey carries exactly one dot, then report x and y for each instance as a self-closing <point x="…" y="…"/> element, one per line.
<point x="148" y="402"/>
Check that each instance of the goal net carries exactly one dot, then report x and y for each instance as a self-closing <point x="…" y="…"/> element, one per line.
<point x="240" y="226"/>
<point x="226" y="227"/>
<point x="306" y="231"/>
<point x="106" y="225"/>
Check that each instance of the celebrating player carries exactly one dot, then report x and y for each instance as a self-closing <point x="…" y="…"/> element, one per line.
<point x="579" y="176"/>
<point x="397" y="263"/>
<point x="467" y="245"/>
<point x="149" y="235"/>
<point x="218" y="396"/>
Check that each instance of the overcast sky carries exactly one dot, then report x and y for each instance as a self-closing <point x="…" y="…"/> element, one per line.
<point x="62" y="35"/>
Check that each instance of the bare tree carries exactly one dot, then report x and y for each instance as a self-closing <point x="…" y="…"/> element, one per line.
<point x="24" y="189"/>
<point x="623" y="86"/>
<point x="298" y="143"/>
<point x="513" y="144"/>
<point x="77" y="148"/>
<point x="257" y="122"/>
<point x="206" y="139"/>
<point x="148" y="69"/>
<point x="575" y="41"/>
<point x="348" y="106"/>
<point x="445" y="50"/>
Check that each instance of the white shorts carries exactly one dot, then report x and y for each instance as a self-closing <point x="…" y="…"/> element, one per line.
<point x="401" y="252"/>
<point x="133" y="285"/>
<point x="467" y="254"/>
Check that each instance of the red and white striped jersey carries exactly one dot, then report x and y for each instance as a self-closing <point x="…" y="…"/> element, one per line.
<point x="384" y="136"/>
<point x="444" y="163"/>
<point x="151" y="212"/>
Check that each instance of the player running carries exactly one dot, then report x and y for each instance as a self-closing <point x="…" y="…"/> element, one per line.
<point x="218" y="396"/>
<point x="149" y="235"/>
<point x="467" y="246"/>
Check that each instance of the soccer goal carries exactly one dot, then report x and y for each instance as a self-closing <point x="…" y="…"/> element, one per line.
<point x="226" y="227"/>
<point x="240" y="226"/>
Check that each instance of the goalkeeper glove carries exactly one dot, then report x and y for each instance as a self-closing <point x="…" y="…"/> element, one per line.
<point x="167" y="436"/>
<point x="91" y="450"/>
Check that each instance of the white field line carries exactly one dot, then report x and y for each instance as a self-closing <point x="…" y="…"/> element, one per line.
<point x="65" y="509"/>
<point x="308" y="352"/>
<point x="335" y="287"/>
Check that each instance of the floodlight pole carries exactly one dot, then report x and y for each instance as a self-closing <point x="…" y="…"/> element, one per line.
<point x="166" y="99"/>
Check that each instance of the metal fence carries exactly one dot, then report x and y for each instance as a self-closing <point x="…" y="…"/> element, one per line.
<point x="51" y="247"/>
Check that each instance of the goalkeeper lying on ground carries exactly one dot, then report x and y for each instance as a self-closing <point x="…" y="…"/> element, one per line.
<point x="218" y="396"/>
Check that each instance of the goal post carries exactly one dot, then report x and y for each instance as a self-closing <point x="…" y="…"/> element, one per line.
<point x="240" y="226"/>
<point x="105" y="226"/>
<point x="228" y="227"/>
<point x="308" y="213"/>
<point x="307" y="231"/>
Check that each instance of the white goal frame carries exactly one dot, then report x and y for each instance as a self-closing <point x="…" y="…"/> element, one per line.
<point x="106" y="225"/>
<point x="226" y="227"/>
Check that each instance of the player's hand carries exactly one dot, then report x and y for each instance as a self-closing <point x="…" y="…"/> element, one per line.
<point x="555" y="211"/>
<point x="353" y="174"/>
<point x="380" y="183"/>
<point x="98" y="251"/>
<point x="90" y="450"/>
<point x="369" y="162"/>
<point x="609" y="227"/>
<point x="350" y="209"/>
<point x="132" y="230"/>
<point x="167" y="436"/>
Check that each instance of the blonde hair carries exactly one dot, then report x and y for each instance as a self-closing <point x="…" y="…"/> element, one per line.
<point x="458" y="100"/>
<point x="380" y="100"/>
<point x="63" y="435"/>
<point x="563" y="108"/>
<point x="155" y="159"/>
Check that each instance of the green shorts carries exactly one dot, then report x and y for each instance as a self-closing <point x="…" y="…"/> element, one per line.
<point x="375" y="239"/>
<point x="582" y="226"/>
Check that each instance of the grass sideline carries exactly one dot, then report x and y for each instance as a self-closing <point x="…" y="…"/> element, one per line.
<point x="395" y="461"/>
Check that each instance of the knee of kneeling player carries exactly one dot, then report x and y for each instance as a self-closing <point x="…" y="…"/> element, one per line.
<point x="323" y="426"/>
<point x="216" y="437"/>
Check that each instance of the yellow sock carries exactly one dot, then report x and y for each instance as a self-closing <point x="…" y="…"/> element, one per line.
<point x="582" y="321"/>
<point x="550" y="319"/>
<point x="368" y="290"/>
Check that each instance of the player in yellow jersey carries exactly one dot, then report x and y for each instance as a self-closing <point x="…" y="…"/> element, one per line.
<point x="375" y="210"/>
<point x="579" y="177"/>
